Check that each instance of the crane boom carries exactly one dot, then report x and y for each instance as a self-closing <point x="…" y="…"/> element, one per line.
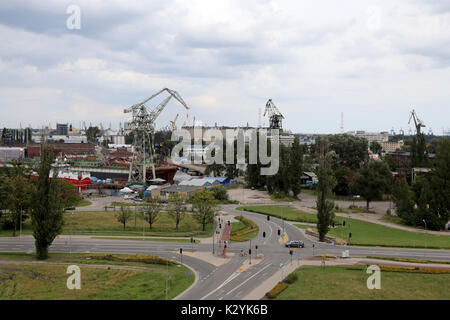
<point x="143" y="126"/>
<point x="274" y="115"/>
<point x="417" y="122"/>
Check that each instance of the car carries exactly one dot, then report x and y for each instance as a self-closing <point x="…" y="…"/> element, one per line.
<point x="128" y="197"/>
<point x="137" y="199"/>
<point x="295" y="244"/>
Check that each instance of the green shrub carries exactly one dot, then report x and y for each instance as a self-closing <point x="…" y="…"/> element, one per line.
<point x="290" y="279"/>
<point x="272" y="294"/>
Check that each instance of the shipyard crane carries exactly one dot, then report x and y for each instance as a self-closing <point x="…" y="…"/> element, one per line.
<point x="173" y="123"/>
<point x="143" y="127"/>
<point x="274" y="115"/>
<point x="417" y="122"/>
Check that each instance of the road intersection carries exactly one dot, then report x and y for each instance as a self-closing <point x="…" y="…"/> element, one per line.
<point x="225" y="281"/>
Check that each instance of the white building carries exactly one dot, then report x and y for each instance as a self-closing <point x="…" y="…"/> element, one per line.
<point x="371" y="136"/>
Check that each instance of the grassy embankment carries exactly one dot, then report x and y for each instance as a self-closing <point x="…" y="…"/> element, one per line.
<point x="243" y="230"/>
<point x="104" y="223"/>
<point x="363" y="233"/>
<point x="349" y="283"/>
<point x="128" y="277"/>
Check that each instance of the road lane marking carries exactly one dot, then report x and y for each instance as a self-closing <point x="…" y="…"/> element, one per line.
<point x="250" y="278"/>
<point x="234" y="275"/>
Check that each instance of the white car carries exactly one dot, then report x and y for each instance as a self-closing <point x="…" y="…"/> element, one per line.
<point x="128" y="197"/>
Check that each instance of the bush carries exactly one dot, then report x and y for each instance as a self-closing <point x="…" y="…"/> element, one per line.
<point x="220" y="193"/>
<point x="290" y="279"/>
<point x="141" y="258"/>
<point x="280" y="287"/>
<point x="250" y="226"/>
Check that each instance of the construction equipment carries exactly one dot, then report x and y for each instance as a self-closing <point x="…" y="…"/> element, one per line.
<point x="173" y="123"/>
<point x="417" y="122"/>
<point x="143" y="127"/>
<point x="274" y="115"/>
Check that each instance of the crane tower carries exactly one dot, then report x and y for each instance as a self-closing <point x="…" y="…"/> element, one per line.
<point x="143" y="127"/>
<point x="274" y="115"/>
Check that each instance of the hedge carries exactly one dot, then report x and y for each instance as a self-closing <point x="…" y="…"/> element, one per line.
<point x="131" y="258"/>
<point x="406" y="269"/>
<point x="250" y="226"/>
<point x="272" y="294"/>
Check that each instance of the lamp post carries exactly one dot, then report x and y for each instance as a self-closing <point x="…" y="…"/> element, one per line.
<point x="425" y="233"/>
<point x="143" y="221"/>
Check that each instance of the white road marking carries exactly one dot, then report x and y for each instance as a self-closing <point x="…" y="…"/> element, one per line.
<point x="250" y="278"/>
<point x="234" y="275"/>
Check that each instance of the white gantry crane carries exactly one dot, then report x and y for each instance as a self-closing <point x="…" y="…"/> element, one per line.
<point x="274" y="115"/>
<point x="143" y="127"/>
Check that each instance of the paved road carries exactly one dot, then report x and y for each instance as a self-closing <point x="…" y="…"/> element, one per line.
<point x="225" y="282"/>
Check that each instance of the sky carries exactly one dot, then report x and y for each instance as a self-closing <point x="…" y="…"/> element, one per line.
<point x="373" y="61"/>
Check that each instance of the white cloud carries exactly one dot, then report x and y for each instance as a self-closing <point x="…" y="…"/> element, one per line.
<point x="371" y="60"/>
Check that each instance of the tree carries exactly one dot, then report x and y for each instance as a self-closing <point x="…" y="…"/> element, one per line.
<point x="419" y="155"/>
<point x="152" y="211"/>
<point x="47" y="205"/>
<point x="220" y="193"/>
<point x="204" y="207"/>
<point x="389" y="160"/>
<point x="295" y="167"/>
<point x="376" y="148"/>
<point x="326" y="183"/>
<point x="123" y="216"/>
<point x="403" y="198"/>
<point x="440" y="183"/>
<point x="69" y="193"/>
<point x="344" y="178"/>
<point x="351" y="150"/>
<point x="177" y="207"/>
<point x="18" y="190"/>
<point x="92" y="133"/>
<point x="372" y="181"/>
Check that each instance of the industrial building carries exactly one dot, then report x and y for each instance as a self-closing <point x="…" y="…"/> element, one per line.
<point x="11" y="153"/>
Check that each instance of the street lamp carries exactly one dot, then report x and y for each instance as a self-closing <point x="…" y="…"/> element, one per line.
<point x="425" y="233"/>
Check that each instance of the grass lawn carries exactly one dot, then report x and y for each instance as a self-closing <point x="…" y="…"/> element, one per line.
<point x="363" y="233"/>
<point x="104" y="223"/>
<point x="287" y="212"/>
<point x="340" y="283"/>
<point x="371" y="234"/>
<point x="149" y="239"/>
<point x="240" y="231"/>
<point x="48" y="281"/>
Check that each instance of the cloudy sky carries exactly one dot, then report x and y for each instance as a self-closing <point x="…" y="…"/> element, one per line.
<point x="372" y="60"/>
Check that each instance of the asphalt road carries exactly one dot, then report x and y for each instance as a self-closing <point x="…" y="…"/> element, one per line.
<point x="225" y="282"/>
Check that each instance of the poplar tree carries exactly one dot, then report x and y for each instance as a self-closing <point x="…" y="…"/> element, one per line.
<point x="46" y="205"/>
<point x="326" y="183"/>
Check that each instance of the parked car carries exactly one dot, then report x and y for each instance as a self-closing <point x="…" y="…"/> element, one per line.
<point x="137" y="199"/>
<point x="295" y="244"/>
<point x="128" y="197"/>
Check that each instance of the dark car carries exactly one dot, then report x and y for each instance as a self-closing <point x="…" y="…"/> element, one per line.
<point x="295" y="244"/>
